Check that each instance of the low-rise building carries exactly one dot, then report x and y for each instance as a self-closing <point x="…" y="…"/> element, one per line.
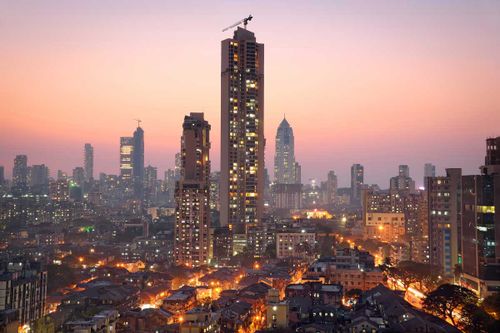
<point x="299" y="244"/>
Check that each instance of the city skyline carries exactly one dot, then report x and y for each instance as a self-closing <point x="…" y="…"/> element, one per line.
<point x="430" y="77"/>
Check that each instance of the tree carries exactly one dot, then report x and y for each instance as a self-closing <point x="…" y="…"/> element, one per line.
<point x="354" y="295"/>
<point x="270" y="251"/>
<point x="491" y="304"/>
<point x="447" y="299"/>
<point x="303" y="248"/>
<point x="473" y="319"/>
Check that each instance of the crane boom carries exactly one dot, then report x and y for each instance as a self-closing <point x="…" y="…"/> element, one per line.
<point x="244" y="21"/>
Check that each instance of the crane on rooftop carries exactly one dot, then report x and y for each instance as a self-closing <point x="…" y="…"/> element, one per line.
<point x="138" y="122"/>
<point x="244" y="21"/>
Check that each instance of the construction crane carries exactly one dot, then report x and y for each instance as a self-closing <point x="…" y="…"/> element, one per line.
<point x="138" y="122"/>
<point x="244" y="21"/>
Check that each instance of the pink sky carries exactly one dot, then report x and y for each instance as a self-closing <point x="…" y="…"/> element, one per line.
<point x="379" y="83"/>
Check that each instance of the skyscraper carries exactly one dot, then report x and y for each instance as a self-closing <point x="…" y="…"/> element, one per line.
<point x="492" y="159"/>
<point x="20" y="175"/>
<point x="192" y="194"/>
<point x="88" y="158"/>
<point x="2" y="175"/>
<point x="138" y="162"/>
<point x="39" y="180"/>
<point x="402" y="182"/>
<point x="444" y="219"/>
<point x="429" y="171"/>
<point x="126" y="162"/>
<point x="284" y="158"/>
<point x="331" y="188"/>
<point x="79" y="176"/>
<point x="357" y="180"/>
<point x="242" y="134"/>
<point x="480" y="226"/>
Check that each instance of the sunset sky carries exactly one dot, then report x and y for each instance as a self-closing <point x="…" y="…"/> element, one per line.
<point x="379" y="83"/>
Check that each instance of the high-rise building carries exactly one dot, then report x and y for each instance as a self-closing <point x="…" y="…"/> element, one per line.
<point x="242" y="134"/>
<point x="402" y="182"/>
<point x="481" y="225"/>
<point x="88" y="158"/>
<point x="284" y="158"/>
<point x="444" y="198"/>
<point x="492" y="159"/>
<point x="298" y="173"/>
<point x="20" y="175"/>
<point x="126" y="162"/>
<point x="429" y="171"/>
<point x="331" y="188"/>
<point x="192" y="194"/>
<point x="287" y="196"/>
<point x="357" y="180"/>
<point x="59" y="190"/>
<point x="151" y="187"/>
<point x="39" y="179"/>
<point x="2" y="176"/>
<point x="23" y="289"/>
<point x="79" y="176"/>
<point x="177" y="166"/>
<point x="138" y="162"/>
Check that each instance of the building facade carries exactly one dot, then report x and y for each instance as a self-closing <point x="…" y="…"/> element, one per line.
<point x="444" y="220"/>
<point x="23" y="287"/>
<point x="480" y="241"/>
<point x="284" y="157"/>
<point x="138" y="162"/>
<point x="126" y="162"/>
<point x="88" y="162"/>
<point x="242" y="132"/>
<point x="357" y="181"/>
<point x="192" y="194"/>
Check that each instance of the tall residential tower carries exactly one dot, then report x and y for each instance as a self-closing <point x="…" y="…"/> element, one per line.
<point x="242" y="134"/>
<point x="138" y="162"/>
<point x="192" y="194"/>
<point x="88" y="158"/>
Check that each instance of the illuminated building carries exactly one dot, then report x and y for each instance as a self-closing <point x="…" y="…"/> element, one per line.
<point x="386" y="227"/>
<point x="276" y="311"/>
<point x="192" y="194"/>
<point x="242" y="133"/>
<point x="284" y="158"/>
<point x="23" y="287"/>
<point x="481" y="225"/>
<point x="357" y="180"/>
<point x="39" y="179"/>
<point x="429" y="171"/>
<point x="126" y="163"/>
<point x="351" y="268"/>
<point x="59" y="190"/>
<point x="222" y="243"/>
<point x="299" y="244"/>
<point x="88" y="158"/>
<point x="79" y="176"/>
<point x="331" y="189"/>
<point x="138" y="162"/>
<point x="402" y="183"/>
<point x="444" y="216"/>
<point x="20" y="175"/>
<point x="214" y="191"/>
<point x="151" y="187"/>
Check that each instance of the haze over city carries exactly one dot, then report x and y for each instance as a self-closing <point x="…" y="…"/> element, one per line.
<point x="380" y="83"/>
